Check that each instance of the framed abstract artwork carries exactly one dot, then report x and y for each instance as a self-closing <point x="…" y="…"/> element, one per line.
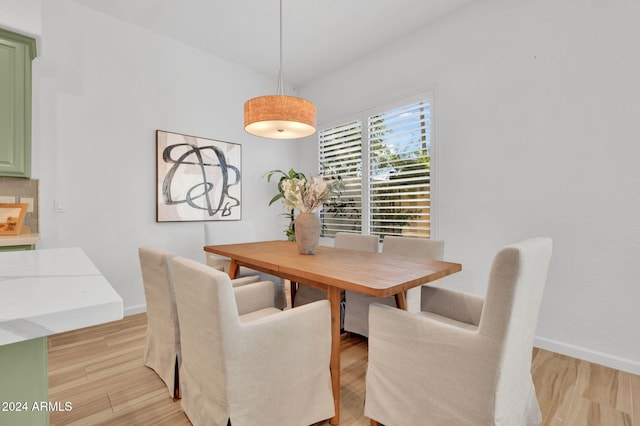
<point x="11" y="218"/>
<point x="197" y="179"/>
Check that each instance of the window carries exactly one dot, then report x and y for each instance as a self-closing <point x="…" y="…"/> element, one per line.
<point x="341" y="155"/>
<point x="389" y="192"/>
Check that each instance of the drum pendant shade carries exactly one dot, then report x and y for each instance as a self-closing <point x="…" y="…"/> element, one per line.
<point x="280" y="117"/>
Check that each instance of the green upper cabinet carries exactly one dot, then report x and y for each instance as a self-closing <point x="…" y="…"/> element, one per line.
<point x="16" y="53"/>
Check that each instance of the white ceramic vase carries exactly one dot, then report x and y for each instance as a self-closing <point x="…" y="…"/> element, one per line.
<point x="307" y="228"/>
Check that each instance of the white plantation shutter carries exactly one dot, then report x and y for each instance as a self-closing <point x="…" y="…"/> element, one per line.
<point x="391" y="193"/>
<point x="399" y="171"/>
<point x="341" y="155"/>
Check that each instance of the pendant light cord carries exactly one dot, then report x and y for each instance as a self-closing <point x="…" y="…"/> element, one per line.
<point x="280" y="74"/>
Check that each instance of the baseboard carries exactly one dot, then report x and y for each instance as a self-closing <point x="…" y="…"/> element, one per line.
<point x="596" y="357"/>
<point x="132" y="310"/>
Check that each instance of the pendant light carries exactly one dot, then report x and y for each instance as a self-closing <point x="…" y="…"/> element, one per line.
<point x="279" y="116"/>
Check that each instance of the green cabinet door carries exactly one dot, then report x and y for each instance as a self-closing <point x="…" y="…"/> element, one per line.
<point x="16" y="53"/>
<point x="24" y="393"/>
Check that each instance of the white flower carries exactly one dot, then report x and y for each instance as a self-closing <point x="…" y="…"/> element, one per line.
<point x="308" y="197"/>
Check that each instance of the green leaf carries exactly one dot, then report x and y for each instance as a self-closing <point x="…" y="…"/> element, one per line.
<point x="276" y="198"/>
<point x="271" y="173"/>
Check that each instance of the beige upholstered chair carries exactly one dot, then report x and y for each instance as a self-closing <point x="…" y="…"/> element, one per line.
<point x="344" y="240"/>
<point x="356" y="315"/>
<point x="162" y="348"/>
<point x="249" y="370"/>
<point x="235" y="232"/>
<point x="463" y="360"/>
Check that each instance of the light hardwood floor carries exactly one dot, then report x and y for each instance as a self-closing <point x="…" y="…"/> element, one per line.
<point x="101" y="372"/>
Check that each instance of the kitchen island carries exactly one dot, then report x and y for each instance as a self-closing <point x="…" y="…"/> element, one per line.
<point x="44" y="292"/>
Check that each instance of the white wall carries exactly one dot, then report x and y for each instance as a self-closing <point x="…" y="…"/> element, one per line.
<point x="101" y="89"/>
<point x="537" y="135"/>
<point x="23" y="16"/>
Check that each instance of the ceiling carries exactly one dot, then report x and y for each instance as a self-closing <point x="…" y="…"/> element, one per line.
<point x="318" y="35"/>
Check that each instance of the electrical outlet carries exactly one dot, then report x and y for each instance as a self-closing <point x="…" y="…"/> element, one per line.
<point x="5" y="199"/>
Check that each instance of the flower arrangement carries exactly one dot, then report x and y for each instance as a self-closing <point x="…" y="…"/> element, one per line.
<point x="305" y="194"/>
<point x="308" y="195"/>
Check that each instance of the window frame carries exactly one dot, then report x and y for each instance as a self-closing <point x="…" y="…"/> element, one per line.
<point x="363" y="117"/>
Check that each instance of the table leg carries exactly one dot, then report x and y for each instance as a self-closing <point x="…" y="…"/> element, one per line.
<point x="233" y="269"/>
<point x="401" y="300"/>
<point x="293" y="288"/>
<point x="333" y="294"/>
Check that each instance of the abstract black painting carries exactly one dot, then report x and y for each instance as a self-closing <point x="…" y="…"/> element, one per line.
<point x="197" y="179"/>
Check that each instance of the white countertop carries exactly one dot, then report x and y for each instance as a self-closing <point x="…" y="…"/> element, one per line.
<point x="18" y="240"/>
<point x="44" y="292"/>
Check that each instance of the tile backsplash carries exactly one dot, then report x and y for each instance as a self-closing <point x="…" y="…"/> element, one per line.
<point x="13" y="190"/>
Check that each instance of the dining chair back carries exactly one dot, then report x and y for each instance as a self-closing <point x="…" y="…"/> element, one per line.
<point x="463" y="359"/>
<point x="356" y="316"/>
<point x="346" y="240"/>
<point x="233" y="368"/>
<point x="162" y="346"/>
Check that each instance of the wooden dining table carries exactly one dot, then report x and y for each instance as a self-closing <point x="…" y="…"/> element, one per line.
<point x="335" y="270"/>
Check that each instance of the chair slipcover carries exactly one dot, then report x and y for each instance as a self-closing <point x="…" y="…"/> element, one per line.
<point x="344" y="240"/>
<point x="227" y="232"/>
<point x="356" y="315"/>
<point x="270" y="371"/>
<point x="162" y="347"/>
<point x="463" y="360"/>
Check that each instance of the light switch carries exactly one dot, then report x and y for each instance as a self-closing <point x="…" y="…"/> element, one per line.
<point x="27" y="200"/>
<point x="5" y="199"/>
